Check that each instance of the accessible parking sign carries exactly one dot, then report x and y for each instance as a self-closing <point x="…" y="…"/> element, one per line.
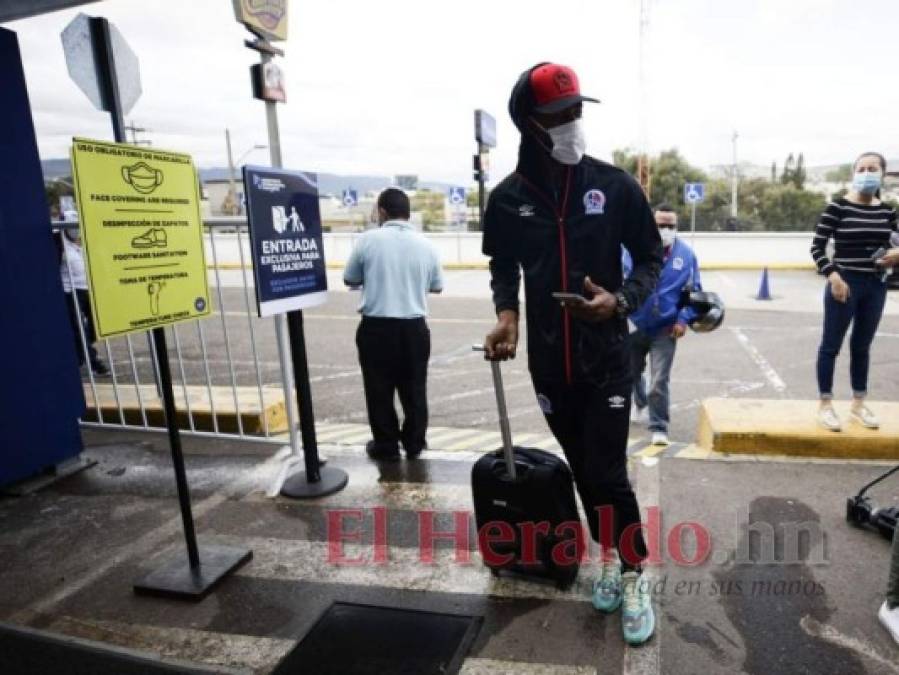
<point x="286" y="239"/>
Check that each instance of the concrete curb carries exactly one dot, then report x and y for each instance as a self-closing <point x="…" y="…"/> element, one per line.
<point x="790" y="428"/>
<point x="253" y="417"/>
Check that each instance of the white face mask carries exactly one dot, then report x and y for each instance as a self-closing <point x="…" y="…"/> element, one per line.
<point x="569" y="144"/>
<point x="668" y="234"/>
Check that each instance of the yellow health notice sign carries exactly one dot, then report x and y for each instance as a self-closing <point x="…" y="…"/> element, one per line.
<point x="142" y="234"/>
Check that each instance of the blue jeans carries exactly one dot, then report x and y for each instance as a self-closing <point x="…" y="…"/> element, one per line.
<point x="660" y="349"/>
<point x="863" y="309"/>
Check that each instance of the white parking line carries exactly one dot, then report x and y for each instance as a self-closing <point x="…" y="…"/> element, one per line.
<point x="767" y="369"/>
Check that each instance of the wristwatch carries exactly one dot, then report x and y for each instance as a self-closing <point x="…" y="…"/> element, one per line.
<point x="624" y="307"/>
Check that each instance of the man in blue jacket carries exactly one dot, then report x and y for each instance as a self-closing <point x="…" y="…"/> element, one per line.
<point x="660" y="324"/>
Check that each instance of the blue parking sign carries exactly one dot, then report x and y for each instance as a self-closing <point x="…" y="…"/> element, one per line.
<point x="350" y="198"/>
<point x="694" y="193"/>
<point x="457" y="196"/>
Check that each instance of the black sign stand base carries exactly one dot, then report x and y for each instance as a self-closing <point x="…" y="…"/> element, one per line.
<point x="195" y="577"/>
<point x="179" y="580"/>
<point x="330" y="480"/>
<point x="315" y="481"/>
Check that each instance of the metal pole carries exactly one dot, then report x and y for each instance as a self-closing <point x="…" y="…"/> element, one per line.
<point x="693" y="225"/>
<point x="482" y="197"/>
<point x="733" y="198"/>
<point x="304" y="394"/>
<point x="167" y="581"/>
<point x="109" y="86"/>
<point x="287" y="383"/>
<point x="274" y="147"/>
<point x="232" y="190"/>
<point x="112" y="101"/>
<point x="171" y="421"/>
<point x="315" y="481"/>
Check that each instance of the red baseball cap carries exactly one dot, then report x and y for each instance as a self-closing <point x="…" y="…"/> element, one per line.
<point x="555" y="87"/>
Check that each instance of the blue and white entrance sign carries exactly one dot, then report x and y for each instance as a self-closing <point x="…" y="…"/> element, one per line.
<point x="285" y="239"/>
<point x="350" y="198"/>
<point x="694" y="193"/>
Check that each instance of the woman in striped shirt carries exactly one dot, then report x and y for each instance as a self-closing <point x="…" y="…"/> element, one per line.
<point x="860" y="225"/>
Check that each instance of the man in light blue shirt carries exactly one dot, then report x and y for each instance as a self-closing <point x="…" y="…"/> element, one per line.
<point x="396" y="268"/>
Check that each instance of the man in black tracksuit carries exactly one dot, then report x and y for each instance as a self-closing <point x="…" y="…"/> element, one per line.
<point x="562" y="218"/>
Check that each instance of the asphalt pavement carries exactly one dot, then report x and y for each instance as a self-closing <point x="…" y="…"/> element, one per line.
<point x="765" y="349"/>
<point x="754" y="569"/>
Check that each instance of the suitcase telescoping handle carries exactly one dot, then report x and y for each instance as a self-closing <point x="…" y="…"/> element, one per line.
<point x="504" y="430"/>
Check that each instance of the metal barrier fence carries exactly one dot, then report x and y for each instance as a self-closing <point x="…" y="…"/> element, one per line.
<point x="228" y="374"/>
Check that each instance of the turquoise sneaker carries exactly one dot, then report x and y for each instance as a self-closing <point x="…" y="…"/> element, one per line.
<point x="638" y="621"/>
<point x="607" y="589"/>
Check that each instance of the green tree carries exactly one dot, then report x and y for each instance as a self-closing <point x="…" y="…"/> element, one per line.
<point x="788" y="208"/>
<point x="787" y="175"/>
<point x="56" y="189"/>
<point x="431" y="206"/>
<point x="799" y="174"/>
<point x="471" y="196"/>
<point x="776" y="205"/>
<point x="669" y="173"/>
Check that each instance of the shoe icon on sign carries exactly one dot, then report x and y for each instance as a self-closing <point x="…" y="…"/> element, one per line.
<point x="154" y="237"/>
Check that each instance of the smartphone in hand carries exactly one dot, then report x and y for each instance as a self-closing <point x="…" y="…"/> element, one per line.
<point x="570" y="298"/>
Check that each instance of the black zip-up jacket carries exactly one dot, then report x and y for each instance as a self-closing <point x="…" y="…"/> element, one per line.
<point x="558" y="232"/>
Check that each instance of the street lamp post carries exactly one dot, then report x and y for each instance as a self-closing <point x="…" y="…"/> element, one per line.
<point x="734" y="179"/>
<point x="232" y="189"/>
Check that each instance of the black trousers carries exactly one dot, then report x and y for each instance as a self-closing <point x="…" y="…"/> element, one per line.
<point x="82" y="316"/>
<point x="590" y="421"/>
<point x="394" y="357"/>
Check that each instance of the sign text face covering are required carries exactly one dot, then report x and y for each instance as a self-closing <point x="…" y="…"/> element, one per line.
<point x="142" y="234"/>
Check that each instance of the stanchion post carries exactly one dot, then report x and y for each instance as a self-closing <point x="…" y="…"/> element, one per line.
<point x="206" y="567"/>
<point x="315" y="481"/>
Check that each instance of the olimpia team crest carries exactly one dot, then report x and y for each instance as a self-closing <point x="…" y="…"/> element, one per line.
<point x="594" y="202"/>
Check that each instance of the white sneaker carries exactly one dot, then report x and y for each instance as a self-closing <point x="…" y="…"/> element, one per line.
<point x="827" y="418"/>
<point x="660" y="438"/>
<point x="863" y="415"/>
<point x="639" y="414"/>
<point x="890" y="620"/>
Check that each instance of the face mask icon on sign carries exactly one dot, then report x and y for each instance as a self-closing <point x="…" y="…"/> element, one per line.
<point x="142" y="177"/>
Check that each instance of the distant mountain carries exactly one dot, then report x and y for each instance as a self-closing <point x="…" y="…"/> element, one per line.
<point x="56" y="168"/>
<point x="328" y="183"/>
<point x="815" y="174"/>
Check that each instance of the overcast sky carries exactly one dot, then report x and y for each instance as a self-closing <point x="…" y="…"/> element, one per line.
<point x="389" y="87"/>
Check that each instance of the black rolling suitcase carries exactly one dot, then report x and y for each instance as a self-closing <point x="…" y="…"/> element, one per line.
<point x="534" y="495"/>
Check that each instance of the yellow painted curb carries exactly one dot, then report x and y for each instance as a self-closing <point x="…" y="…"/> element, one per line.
<point x="253" y="417"/>
<point x="790" y="428"/>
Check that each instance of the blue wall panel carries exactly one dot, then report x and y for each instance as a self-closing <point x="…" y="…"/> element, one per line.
<point x="40" y="389"/>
